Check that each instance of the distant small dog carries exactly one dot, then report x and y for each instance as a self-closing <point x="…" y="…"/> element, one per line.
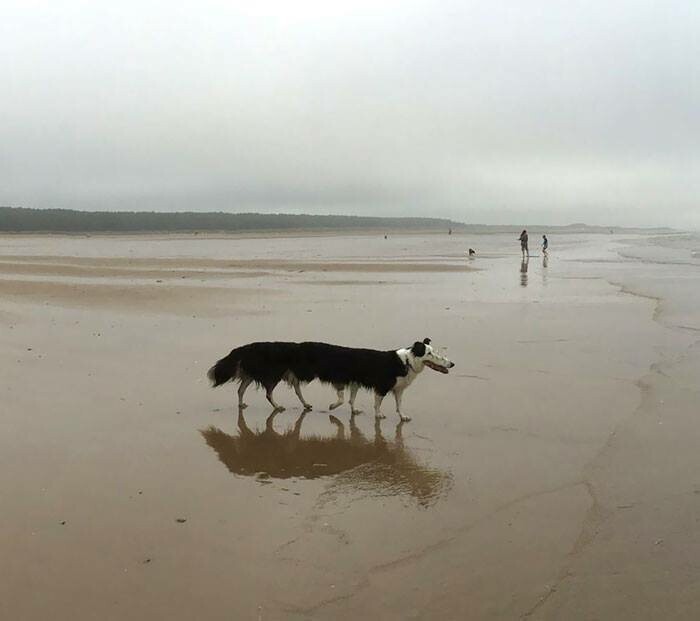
<point x="472" y="252"/>
<point x="267" y="364"/>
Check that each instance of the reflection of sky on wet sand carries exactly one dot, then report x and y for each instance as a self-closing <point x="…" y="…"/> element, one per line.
<point x="374" y="466"/>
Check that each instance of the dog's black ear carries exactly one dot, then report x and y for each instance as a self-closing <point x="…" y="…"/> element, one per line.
<point x="426" y="340"/>
<point x="418" y="349"/>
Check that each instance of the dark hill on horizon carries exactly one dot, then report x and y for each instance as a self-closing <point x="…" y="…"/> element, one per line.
<point x="28" y="220"/>
<point x="23" y="220"/>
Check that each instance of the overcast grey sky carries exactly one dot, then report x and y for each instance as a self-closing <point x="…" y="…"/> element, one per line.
<point x="486" y="111"/>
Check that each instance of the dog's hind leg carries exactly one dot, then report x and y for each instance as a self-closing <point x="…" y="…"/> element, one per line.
<point x="378" y="404"/>
<point x="353" y="393"/>
<point x="245" y="382"/>
<point x="269" y="424"/>
<point x="341" y="397"/>
<point x="268" y="393"/>
<point x="243" y="426"/>
<point x="293" y="437"/>
<point x="397" y="396"/>
<point x="356" y="435"/>
<point x="339" y="427"/>
<point x="297" y="389"/>
<point x="296" y="432"/>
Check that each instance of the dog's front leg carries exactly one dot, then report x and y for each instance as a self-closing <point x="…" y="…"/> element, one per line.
<point x="397" y="396"/>
<point x="340" y="400"/>
<point x="353" y="393"/>
<point x="297" y="389"/>
<point x="378" y="404"/>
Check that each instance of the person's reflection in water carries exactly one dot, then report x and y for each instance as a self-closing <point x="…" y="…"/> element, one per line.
<point x="545" y="263"/>
<point x="523" y="272"/>
<point x="377" y="466"/>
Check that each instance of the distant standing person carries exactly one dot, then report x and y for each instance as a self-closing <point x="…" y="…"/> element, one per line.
<point x="545" y="245"/>
<point x="523" y="243"/>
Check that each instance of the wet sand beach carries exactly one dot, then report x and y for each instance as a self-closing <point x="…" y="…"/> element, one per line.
<point x="553" y="474"/>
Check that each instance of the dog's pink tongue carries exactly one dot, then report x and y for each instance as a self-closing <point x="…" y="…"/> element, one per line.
<point x="435" y="367"/>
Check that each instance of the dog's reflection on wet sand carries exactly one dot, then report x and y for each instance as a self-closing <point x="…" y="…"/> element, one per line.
<point x="374" y="466"/>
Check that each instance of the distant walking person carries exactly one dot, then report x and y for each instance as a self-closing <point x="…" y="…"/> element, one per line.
<point x="523" y="243"/>
<point x="545" y="245"/>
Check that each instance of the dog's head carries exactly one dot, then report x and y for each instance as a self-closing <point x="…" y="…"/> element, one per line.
<point x="423" y="354"/>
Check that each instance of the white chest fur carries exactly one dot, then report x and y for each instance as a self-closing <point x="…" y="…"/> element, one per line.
<point x="403" y="381"/>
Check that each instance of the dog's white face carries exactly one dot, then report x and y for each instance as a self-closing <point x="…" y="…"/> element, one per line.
<point x="423" y="354"/>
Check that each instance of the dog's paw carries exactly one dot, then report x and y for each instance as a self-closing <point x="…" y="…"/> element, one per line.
<point x="355" y="412"/>
<point x="404" y="419"/>
<point x="379" y="416"/>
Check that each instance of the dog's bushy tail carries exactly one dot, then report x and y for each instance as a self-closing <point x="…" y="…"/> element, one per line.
<point x="224" y="370"/>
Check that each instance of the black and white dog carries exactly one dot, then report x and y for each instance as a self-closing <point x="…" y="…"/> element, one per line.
<point x="267" y="364"/>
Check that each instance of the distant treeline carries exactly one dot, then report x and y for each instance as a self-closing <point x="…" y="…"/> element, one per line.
<point x="24" y="220"/>
<point x="19" y="219"/>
